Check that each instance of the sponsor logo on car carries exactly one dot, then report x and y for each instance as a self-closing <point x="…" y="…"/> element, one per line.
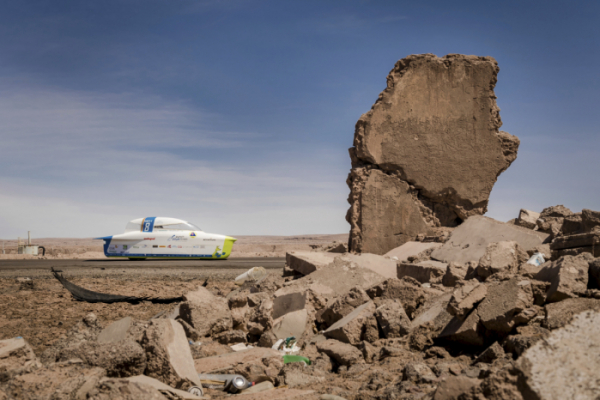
<point x="193" y="234"/>
<point x="162" y="246"/>
<point x="124" y="247"/>
<point x="176" y="237"/>
<point x="149" y="238"/>
<point x="210" y="240"/>
<point x="156" y="246"/>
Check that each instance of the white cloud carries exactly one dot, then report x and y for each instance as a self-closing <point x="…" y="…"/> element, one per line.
<point x="79" y="165"/>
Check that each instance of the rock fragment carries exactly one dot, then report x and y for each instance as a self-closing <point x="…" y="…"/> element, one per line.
<point x="205" y="312"/>
<point x="342" y="306"/>
<point x="504" y="301"/>
<point x="168" y="354"/>
<point x="424" y="271"/>
<point x="342" y="353"/>
<point x="527" y="219"/>
<point x="568" y="277"/>
<point x="501" y="256"/>
<point x="560" y="314"/>
<point x="469" y="240"/>
<point x="16" y="357"/>
<point x="351" y="328"/>
<point x="466" y="295"/>
<point x="392" y="319"/>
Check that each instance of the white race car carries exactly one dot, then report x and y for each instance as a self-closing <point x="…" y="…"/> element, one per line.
<point x="160" y="237"/>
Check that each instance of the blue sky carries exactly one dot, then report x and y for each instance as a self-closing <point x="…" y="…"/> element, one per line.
<point x="237" y="115"/>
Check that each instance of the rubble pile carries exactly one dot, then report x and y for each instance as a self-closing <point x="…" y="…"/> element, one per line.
<point x="428" y="153"/>
<point x="494" y="323"/>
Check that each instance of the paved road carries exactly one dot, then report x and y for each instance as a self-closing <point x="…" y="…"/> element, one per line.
<point x="118" y="267"/>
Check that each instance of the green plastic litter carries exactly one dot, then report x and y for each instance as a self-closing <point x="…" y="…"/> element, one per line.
<point x="290" y="359"/>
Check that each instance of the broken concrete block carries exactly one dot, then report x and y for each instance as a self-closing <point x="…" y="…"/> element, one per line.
<point x="279" y="394"/>
<point x="168" y="353"/>
<point x="408" y="291"/>
<point x="572" y="224"/>
<point x="370" y="352"/>
<point x="342" y="353"/>
<point x="589" y="220"/>
<point x="588" y="239"/>
<point x="291" y="324"/>
<point x="469" y="332"/>
<point x="560" y="314"/>
<point x="410" y="249"/>
<point x="527" y="219"/>
<point x="454" y="274"/>
<point x="392" y="319"/>
<point x="307" y="262"/>
<point x="261" y="319"/>
<point x="469" y="240"/>
<point x="454" y="386"/>
<point x="116" y="331"/>
<point x="350" y="328"/>
<point x="568" y="277"/>
<point x="504" y="301"/>
<point x="206" y="313"/>
<point x="418" y="373"/>
<point x="158" y="385"/>
<point x="466" y="295"/>
<point x="385" y="211"/>
<point x="424" y="271"/>
<point x="376" y="263"/>
<point x="227" y="361"/>
<point x="341" y="306"/>
<point x="288" y="303"/>
<point x="566" y="363"/>
<point x="501" y="256"/>
<point x="526" y="337"/>
<point x="16" y="357"/>
<point x="433" y="313"/>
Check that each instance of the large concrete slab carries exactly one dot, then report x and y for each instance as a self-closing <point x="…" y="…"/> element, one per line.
<point x="410" y="249"/>
<point x="469" y="240"/>
<point x="288" y="303"/>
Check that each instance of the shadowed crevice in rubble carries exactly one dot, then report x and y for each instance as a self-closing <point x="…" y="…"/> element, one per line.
<point x="89" y="296"/>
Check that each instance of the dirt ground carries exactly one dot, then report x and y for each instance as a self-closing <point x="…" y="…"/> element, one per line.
<point x="41" y="310"/>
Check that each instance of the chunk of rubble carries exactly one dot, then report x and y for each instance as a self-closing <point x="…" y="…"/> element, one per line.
<point x="505" y="256"/>
<point x="205" y="312"/>
<point x="568" y="277"/>
<point x="466" y="295"/>
<point x="433" y="313"/>
<point x="551" y="219"/>
<point x="279" y="394"/>
<point x="116" y="331"/>
<point x="430" y="105"/>
<point x="16" y="357"/>
<point x="504" y="301"/>
<point x="307" y="262"/>
<point x="589" y="220"/>
<point x="576" y="244"/>
<point x="408" y="291"/>
<point x="489" y="355"/>
<point x="455" y="273"/>
<point x="169" y="355"/>
<point x="341" y="306"/>
<point x="566" y="363"/>
<point x="418" y="372"/>
<point x="392" y="319"/>
<point x="410" y="249"/>
<point x="291" y="324"/>
<point x="455" y="386"/>
<point x="527" y="219"/>
<point x="560" y="314"/>
<point x="287" y="303"/>
<point x="342" y="353"/>
<point x="350" y="329"/>
<point x="469" y="241"/>
<point x="228" y="361"/>
<point x="424" y="271"/>
<point x="526" y="337"/>
<point x="469" y="332"/>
